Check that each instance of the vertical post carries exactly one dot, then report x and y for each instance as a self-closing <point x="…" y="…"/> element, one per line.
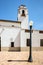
<point x="30" y="54"/>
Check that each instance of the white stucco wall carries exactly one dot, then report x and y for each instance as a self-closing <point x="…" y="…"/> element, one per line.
<point x="35" y="39"/>
<point x="19" y="37"/>
<point x="10" y="34"/>
<point x="41" y="35"/>
<point x="23" y="39"/>
<point x="17" y="40"/>
<point x="24" y="24"/>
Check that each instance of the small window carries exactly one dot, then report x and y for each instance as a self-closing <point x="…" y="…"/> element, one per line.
<point x="12" y="25"/>
<point x="28" y="42"/>
<point x="41" y="42"/>
<point x="23" y="13"/>
<point x="12" y="44"/>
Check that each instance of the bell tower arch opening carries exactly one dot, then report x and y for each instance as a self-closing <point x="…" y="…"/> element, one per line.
<point x="23" y="13"/>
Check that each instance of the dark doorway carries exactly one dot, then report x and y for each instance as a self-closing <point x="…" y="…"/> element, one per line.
<point x="12" y="44"/>
<point x="41" y="42"/>
<point x="0" y="43"/>
<point x="28" y="42"/>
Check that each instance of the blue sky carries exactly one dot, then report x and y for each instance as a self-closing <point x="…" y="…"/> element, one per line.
<point x="9" y="9"/>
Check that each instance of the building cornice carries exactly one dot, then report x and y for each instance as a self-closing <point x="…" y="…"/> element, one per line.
<point x="11" y="21"/>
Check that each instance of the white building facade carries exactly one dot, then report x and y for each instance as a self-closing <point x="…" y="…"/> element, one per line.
<point x="15" y="35"/>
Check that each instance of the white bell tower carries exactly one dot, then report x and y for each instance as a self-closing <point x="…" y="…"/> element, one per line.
<point x="23" y="16"/>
